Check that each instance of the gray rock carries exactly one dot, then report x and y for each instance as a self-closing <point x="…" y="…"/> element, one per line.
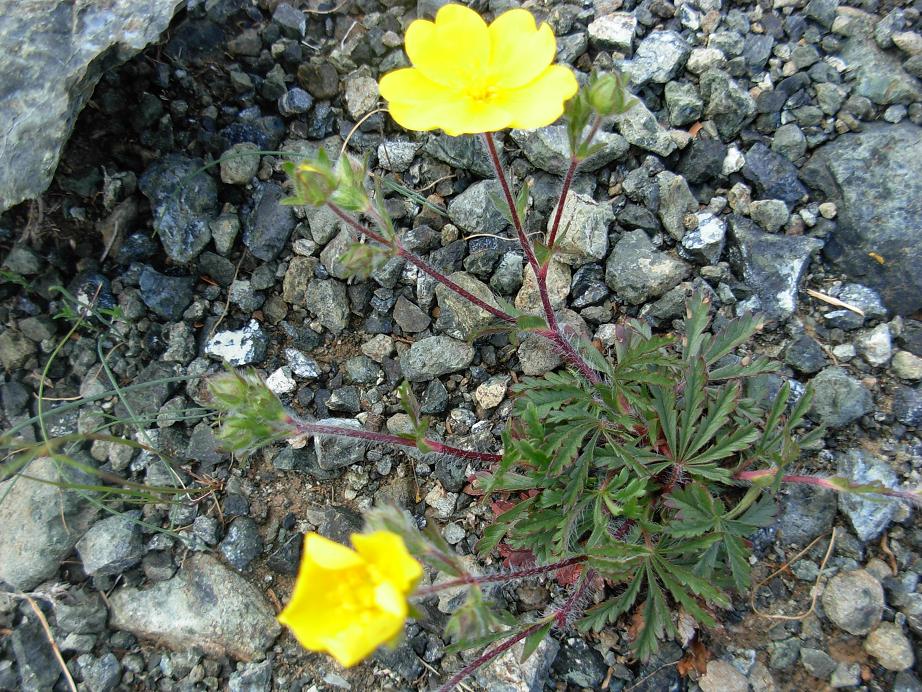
<point x="770" y="214"/>
<point x="295" y="102"/>
<point x="675" y="202"/>
<point x="327" y="299"/>
<point x="23" y="260"/>
<point x="771" y="266"/>
<point x="538" y="356"/>
<point x="869" y="515"/>
<point x="476" y="210"/>
<point x="239" y="165"/>
<point x="334" y="452"/>
<point x="614" y="31"/>
<point x="907" y="405"/>
<point x="583" y="232"/>
<point x="38" y="667"/>
<point x="237" y="347"/>
<point x="806" y="513"/>
<point x="465" y="318"/>
<point x="112" y="545"/>
<point x="396" y="155"/>
<point x="81" y="613"/>
<point x="729" y="106"/>
<point x="854" y="601"/>
<point x="864" y="298"/>
<point x="878" y="75"/>
<point x="805" y="355"/>
<point x="184" y="200"/>
<point x="773" y="175"/>
<point x="411" y="318"/>
<point x="658" y="59"/>
<point x="251" y="677"/>
<point x="889" y="228"/>
<point x="723" y="677"/>
<point x="823" y="11"/>
<point x="557" y="280"/>
<point x="507" y="277"/>
<point x="580" y="665"/>
<point x="292" y="21"/>
<point x="206" y="605"/>
<point x="466" y="153"/>
<point x="42" y="523"/>
<point x="15" y="350"/>
<point x="145" y="402"/>
<point x="269" y="224"/>
<point x="875" y="344"/>
<point x="839" y="399"/>
<point x="817" y="662"/>
<point x="242" y="544"/>
<point x="101" y="674"/>
<point x="705" y="242"/>
<point x="789" y="141"/>
<point x="637" y="272"/>
<point x="435" y="356"/>
<point x="683" y="103"/>
<point x="361" y="370"/>
<point x="890" y="647"/>
<point x="167" y="296"/>
<point x="332" y="255"/>
<point x="549" y="149"/>
<point x="60" y="54"/>
<point x="640" y="127"/>
<point x="361" y="94"/>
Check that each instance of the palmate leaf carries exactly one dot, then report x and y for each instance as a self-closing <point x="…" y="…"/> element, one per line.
<point x="718" y="414"/>
<point x="564" y="445"/>
<point x="607" y="612"/>
<point x="657" y="619"/>
<point x="664" y="403"/>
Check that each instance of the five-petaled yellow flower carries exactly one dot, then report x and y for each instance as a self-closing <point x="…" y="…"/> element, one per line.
<point x="468" y="77"/>
<point x="348" y="602"/>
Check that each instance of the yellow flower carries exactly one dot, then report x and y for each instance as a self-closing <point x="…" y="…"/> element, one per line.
<point x="468" y="77"/>
<point x="348" y="602"/>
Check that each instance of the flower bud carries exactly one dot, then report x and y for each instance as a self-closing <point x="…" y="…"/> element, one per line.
<point x="313" y="184"/>
<point x="606" y="94"/>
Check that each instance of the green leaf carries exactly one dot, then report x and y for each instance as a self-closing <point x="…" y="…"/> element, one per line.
<point x="696" y="321"/>
<point x="530" y="322"/>
<point x="534" y="639"/>
<point x="607" y="612"/>
<point x="664" y="403"/>
<point x="718" y="414"/>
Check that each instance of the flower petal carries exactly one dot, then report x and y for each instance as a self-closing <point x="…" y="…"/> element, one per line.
<point x="417" y="103"/>
<point x="519" y="51"/>
<point x="387" y="555"/>
<point x="359" y="638"/>
<point x="328" y="554"/>
<point x="454" y="50"/>
<point x="541" y="102"/>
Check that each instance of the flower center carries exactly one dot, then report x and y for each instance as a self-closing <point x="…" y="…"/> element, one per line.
<point x="481" y="92"/>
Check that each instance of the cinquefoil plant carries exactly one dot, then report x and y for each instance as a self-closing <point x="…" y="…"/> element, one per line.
<point x="641" y="471"/>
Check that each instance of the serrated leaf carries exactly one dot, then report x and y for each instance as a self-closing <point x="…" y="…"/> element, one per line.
<point x="696" y="321"/>
<point x="607" y="612"/>
<point x="664" y="403"/>
<point x="734" y="333"/>
<point x="533" y="640"/>
<point x="717" y="416"/>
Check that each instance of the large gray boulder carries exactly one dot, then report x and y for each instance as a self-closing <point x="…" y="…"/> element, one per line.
<point x="52" y="54"/>
<point x="875" y="179"/>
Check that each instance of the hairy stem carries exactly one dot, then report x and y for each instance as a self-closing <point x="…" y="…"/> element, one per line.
<point x="421" y="264"/>
<point x="554" y="333"/>
<point x="564" y="190"/>
<point x="560" y="618"/>
<point x="499" y="578"/>
<point x="488" y="656"/>
<point x="837" y="484"/>
<point x="384" y="438"/>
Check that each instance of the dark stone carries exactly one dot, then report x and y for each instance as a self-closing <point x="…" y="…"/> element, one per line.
<point x="911" y="337"/>
<point x="167" y="296"/>
<point x="145" y="402"/>
<point x="805" y="513"/>
<point x="805" y="355"/>
<point x="339" y="523"/>
<point x="321" y="81"/>
<point x="659" y="674"/>
<point x="703" y="160"/>
<point x="93" y="288"/>
<point x="771" y="265"/>
<point x="839" y="399"/>
<point x="38" y="668"/>
<point x="451" y="473"/>
<point x="580" y="665"/>
<point x="269" y="224"/>
<point x="435" y="398"/>
<point x="907" y="405"/>
<point x="402" y="660"/>
<point x="286" y="558"/>
<point x="136" y="248"/>
<point x="184" y="200"/>
<point x="875" y="179"/>
<point x="772" y="174"/>
<point x="242" y="543"/>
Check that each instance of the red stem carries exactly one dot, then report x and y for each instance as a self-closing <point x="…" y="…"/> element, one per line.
<point x="422" y="265"/>
<point x="499" y="578"/>
<point x="564" y="190"/>
<point x="342" y="431"/>
<point x="488" y="656"/>
<point x="561" y="620"/>
<point x="554" y="334"/>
